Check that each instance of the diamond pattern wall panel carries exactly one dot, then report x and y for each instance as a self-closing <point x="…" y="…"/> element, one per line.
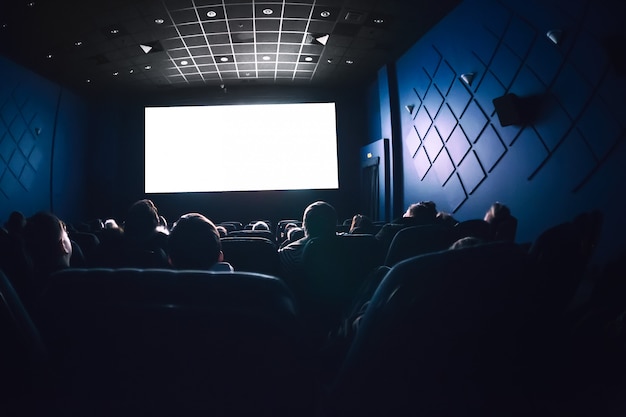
<point x="571" y="90"/>
<point x="18" y="143"/>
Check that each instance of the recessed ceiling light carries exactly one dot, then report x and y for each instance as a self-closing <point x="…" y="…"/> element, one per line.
<point x="49" y="56"/>
<point x="268" y="12"/>
<point x="130" y="71"/>
<point x="147" y="67"/>
<point x="78" y="43"/>
<point x="87" y="80"/>
<point x="159" y="21"/>
<point x="5" y="25"/>
<point x="247" y="74"/>
<point x="31" y="4"/>
<point x="379" y="21"/>
<point x="266" y="57"/>
<point x="184" y="62"/>
<point x="116" y="73"/>
<point x="325" y="13"/>
<point x="224" y="59"/>
<point x="114" y="31"/>
<point x="308" y="59"/>
<point x="349" y="61"/>
<point x="329" y="60"/>
<point x="211" y="13"/>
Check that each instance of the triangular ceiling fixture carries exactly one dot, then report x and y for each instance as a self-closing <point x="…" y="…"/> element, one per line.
<point x="322" y="39"/>
<point x="151" y="47"/>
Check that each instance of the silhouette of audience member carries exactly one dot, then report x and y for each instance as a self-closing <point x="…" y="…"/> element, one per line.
<point x="260" y="225"/>
<point x="417" y="214"/>
<point x="15" y="223"/>
<point x="319" y="220"/>
<point x="140" y="225"/>
<point x="194" y="243"/>
<point x="47" y="247"/>
<point x="502" y="224"/>
<point x="446" y="219"/>
<point x="361" y="224"/>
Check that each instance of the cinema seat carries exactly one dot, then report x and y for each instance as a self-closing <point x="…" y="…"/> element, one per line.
<point x="439" y="338"/>
<point x="163" y="343"/>
<point x="251" y="254"/>
<point x="336" y="268"/>
<point x="418" y="240"/>
<point x="22" y="355"/>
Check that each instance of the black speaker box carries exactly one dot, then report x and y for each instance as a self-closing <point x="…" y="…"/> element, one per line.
<point x="509" y="109"/>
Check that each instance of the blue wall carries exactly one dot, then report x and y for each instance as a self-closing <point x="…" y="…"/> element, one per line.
<point x="570" y="157"/>
<point x="42" y="145"/>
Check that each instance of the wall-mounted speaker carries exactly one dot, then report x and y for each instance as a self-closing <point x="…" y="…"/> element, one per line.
<point x="509" y="109"/>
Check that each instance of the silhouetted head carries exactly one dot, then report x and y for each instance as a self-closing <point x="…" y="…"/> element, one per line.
<point x="194" y="243"/>
<point x="15" y="223"/>
<point x="46" y="242"/>
<point x="142" y="219"/>
<point x="320" y="219"/>
<point x="424" y="212"/>
<point x="497" y="212"/>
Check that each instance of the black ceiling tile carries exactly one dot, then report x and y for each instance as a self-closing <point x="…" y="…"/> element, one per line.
<point x="286" y="66"/>
<point x="222" y="49"/>
<point x="191" y="41"/>
<point x="242" y="37"/>
<point x="190" y="69"/>
<point x="293" y="38"/>
<point x="239" y="11"/>
<point x="178" y="53"/>
<point x="266" y="48"/>
<point x="222" y="39"/>
<point x="168" y="32"/>
<point x="245" y="58"/>
<point x="178" y="4"/>
<point x="204" y="60"/>
<point x="241" y="25"/>
<point x="267" y="37"/>
<point x="244" y="48"/>
<point x="207" y="69"/>
<point x="289" y="49"/>
<point x="267" y="25"/>
<point x="246" y="66"/>
<point x="189" y="29"/>
<point x="293" y="25"/>
<point x="287" y="58"/>
<point x="312" y="49"/>
<point x="299" y="11"/>
<point x="215" y="27"/>
<point x="200" y="51"/>
<point x="184" y="16"/>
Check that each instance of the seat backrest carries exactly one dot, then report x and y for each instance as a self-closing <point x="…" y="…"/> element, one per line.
<point x="477" y="228"/>
<point x="166" y="342"/>
<point x="22" y="353"/>
<point x="336" y="268"/>
<point x="437" y="335"/>
<point x="253" y="233"/>
<point x="418" y="240"/>
<point x="251" y="254"/>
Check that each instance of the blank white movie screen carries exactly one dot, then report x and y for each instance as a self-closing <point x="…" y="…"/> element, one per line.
<point x="241" y="148"/>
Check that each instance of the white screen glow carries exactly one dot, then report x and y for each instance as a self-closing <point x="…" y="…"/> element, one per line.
<point x="241" y="148"/>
